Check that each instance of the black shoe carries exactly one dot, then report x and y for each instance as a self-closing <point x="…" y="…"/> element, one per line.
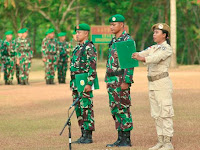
<point x="47" y="81"/>
<point x="18" y="81"/>
<point x="52" y="81"/>
<point x="78" y="141"/>
<point x="23" y="82"/>
<point x="87" y="137"/>
<point x="126" y="140"/>
<point x="117" y="142"/>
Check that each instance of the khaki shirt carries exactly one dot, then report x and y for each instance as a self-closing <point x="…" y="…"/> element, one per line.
<point x="158" y="59"/>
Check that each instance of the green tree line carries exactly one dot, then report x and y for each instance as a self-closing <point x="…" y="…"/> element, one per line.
<point x="63" y="15"/>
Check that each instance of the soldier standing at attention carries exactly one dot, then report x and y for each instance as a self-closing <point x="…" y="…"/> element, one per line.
<point x="17" y="40"/>
<point x="9" y="57"/>
<point x="63" y="46"/>
<point x="158" y="58"/>
<point x="24" y="57"/>
<point x="50" y="55"/>
<point x="118" y="85"/>
<point x="83" y="60"/>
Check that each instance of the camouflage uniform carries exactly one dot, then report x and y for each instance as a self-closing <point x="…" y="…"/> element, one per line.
<point x="18" y="39"/>
<point x="9" y="60"/>
<point x="51" y="53"/>
<point x="84" y="61"/>
<point x="119" y="100"/>
<point x="63" y="60"/>
<point x="0" y="56"/>
<point x="24" y="54"/>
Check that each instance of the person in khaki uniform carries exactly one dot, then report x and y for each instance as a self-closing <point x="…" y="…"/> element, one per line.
<point x="158" y="58"/>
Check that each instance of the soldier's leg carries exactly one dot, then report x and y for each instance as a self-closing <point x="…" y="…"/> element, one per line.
<point x="64" y="72"/>
<point x="87" y="114"/>
<point x="22" y="71"/>
<point x="11" y="71"/>
<point x="17" y="74"/>
<point x="6" y="67"/>
<point x="59" y="71"/>
<point x="78" y="114"/>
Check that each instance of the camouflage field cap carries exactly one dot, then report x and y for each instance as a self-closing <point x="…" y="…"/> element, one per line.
<point x="82" y="26"/>
<point x="8" y="33"/>
<point x="161" y="26"/>
<point x="116" y="18"/>
<point x="62" y="34"/>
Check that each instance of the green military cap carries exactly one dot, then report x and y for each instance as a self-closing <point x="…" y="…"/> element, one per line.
<point x="62" y="34"/>
<point x="8" y="32"/>
<point x="161" y="26"/>
<point x="83" y="26"/>
<point x="19" y="31"/>
<point x="50" y="31"/>
<point x="116" y="18"/>
<point x="24" y="30"/>
<point x="74" y="32"/>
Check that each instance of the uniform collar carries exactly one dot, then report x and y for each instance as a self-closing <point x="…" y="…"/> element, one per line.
<point x="86" y="41"/>
<point x="123" y="33"/>
<point x="160" y="45"/>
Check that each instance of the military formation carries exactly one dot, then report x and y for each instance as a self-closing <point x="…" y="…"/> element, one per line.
<point x="16" y="54"/>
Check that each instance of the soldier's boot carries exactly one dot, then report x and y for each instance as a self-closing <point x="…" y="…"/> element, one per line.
<point x="78" y="140"/>
<point x="10" y="83"/>
<point x="64" y="81"/>
<point x="167" y="144"/>
<point x="118" y="140"/>
<point x="18" y="81"/>
<point x="23" y="82"/>
<point x="6" y="82"/>
<point x="52" y="81"/>
<point x="126" y="139"/>
<point x="59" y="80"/>
<point x="26" y="82"/>
<point x="47" y="81"/>
<point x="87" y="137"/>
<point x="159" y="144"/>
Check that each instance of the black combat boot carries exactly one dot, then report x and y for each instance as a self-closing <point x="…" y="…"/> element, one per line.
<point x="23" y="82"/>
<point x="52" y="81"/>
<point x="6" y="82"/>
<point x="78" y="141"/>
<point x="118" y="140"/>
<point x="64" y="81"/>
<point x="87" y="137"/>
<point x="18" y="81"/>
<point x="126" y="140"/>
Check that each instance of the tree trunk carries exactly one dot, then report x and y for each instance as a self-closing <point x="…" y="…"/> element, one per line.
<point x="173" y="31"/>
<point x="78" y="13"/>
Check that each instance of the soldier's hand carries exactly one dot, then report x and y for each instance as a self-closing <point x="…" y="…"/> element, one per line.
<point x="87" y="88"/>
<point x="17" y="62"/>
<point x="135" y="55"/>
<point x="115" y="55"/>
<point x="124" y="86"/>
<point x="44" y="60"/>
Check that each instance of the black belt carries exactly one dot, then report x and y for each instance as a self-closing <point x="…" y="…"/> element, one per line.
<point x="116" y="73"/>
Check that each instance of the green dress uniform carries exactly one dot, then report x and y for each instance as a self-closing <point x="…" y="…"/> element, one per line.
<point x="9" y="59"/>
<point x="25" y="55"/>
<point x="63" y="59"/>
<point x="119" y="100"/>
<point x="83" y="60"/>
<point x="51" y="53"/>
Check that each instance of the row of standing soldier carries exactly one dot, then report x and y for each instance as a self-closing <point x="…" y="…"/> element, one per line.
<point x="16" y="54"/>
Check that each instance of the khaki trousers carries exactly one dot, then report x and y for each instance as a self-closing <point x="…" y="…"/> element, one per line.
<point x="162" y="111"/>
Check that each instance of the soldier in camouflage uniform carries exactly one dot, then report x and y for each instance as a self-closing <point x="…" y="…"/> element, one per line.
<point x="17" y="40"/>
<point x="64" y="55"/>
<point x="118" y="85"/>
<point x="9" y="57"/>
<point x="0" y="56"/>
<point x="50" y="55"/>
<point x="83" y="60"/>
<point x="24" y="57"/>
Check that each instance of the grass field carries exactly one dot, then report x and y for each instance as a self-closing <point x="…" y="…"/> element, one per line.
<point x="31" y="117"/>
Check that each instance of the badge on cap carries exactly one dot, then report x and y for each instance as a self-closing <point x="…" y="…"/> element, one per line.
<point x="82" y="82"/>
<point x="77" y="27"/>
<point x="113" y="19"/>
<point x="160" y="26"/>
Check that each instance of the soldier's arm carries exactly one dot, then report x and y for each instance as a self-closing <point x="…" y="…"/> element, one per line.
<point x="161" y="55"/>
<point x="43" y="49"/>
<point x="91" y="60"/>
